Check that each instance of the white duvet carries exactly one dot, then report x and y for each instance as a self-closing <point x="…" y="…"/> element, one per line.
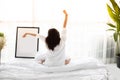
<point x="29" y="70"/>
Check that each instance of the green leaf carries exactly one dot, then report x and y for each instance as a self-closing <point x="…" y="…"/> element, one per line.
<point x="111" y="25"/>
<point x="112" y="14"/>
<point x="115" y="35"/>
<point x="116" y="7"/>
<point x="111" y="30"/>
<point x="1" y="34"/>
<point x="118" y="27"/>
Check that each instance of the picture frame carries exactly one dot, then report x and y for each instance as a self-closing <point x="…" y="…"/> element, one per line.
<point x="28" y="46"/>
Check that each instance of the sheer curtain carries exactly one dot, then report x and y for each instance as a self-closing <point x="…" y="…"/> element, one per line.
<point x="86" y="27"/>
<point x="13" y="13"/>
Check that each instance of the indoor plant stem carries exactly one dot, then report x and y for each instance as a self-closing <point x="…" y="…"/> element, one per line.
<point x="0" y="57"/>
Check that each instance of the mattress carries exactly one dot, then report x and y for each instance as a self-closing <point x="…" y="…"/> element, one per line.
<point x="29" y="70"/>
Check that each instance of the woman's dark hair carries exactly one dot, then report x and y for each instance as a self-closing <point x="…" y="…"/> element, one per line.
<point x="53" y="38"/>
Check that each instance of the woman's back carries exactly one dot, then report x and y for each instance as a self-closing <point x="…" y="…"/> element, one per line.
<point x="57" y="56"/>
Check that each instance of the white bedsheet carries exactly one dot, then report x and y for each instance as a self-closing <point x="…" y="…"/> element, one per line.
<point x="23" y="70"/>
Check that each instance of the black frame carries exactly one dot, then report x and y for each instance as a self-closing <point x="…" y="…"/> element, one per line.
<point x="17" y="41"/>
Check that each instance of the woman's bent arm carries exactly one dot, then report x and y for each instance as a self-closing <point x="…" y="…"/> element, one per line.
<point x="32" y="34"/>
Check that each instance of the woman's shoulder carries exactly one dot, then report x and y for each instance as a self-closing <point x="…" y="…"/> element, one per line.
<point x="60" y="46"/>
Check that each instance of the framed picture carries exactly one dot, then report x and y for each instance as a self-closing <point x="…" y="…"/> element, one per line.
<point x="28" y="46"/>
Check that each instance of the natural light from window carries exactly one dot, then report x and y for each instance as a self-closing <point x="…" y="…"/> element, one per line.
<point x="86" y="22"/>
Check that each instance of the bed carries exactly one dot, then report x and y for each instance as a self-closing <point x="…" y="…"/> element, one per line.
<point x="28" y="69"/>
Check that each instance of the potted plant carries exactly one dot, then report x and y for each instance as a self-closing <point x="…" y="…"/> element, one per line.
<point x="114" y="13"/>
<point x="2" y="43"/>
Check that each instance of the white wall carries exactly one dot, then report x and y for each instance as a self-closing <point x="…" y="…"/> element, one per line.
<point x="86" y="23"/>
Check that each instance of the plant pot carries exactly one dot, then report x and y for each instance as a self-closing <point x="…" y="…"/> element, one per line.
<point x="118" y="61"/>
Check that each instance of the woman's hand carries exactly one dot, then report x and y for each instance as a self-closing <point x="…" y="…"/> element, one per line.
<point x="24" y="35"/>
<point x="65" y="12"/>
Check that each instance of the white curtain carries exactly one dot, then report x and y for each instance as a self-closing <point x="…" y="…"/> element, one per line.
<point x="86" y="28"/>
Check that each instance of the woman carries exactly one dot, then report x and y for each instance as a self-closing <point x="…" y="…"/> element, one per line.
<point x="55" y="55"/>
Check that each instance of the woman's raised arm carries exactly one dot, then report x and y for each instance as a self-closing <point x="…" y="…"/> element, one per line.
<point x="66" y="18"/>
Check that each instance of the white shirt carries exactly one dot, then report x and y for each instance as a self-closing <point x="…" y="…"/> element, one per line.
<point x="57" y="56"/>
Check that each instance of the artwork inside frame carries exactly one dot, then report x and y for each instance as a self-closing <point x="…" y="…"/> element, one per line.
<point x="26" y="47"/>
